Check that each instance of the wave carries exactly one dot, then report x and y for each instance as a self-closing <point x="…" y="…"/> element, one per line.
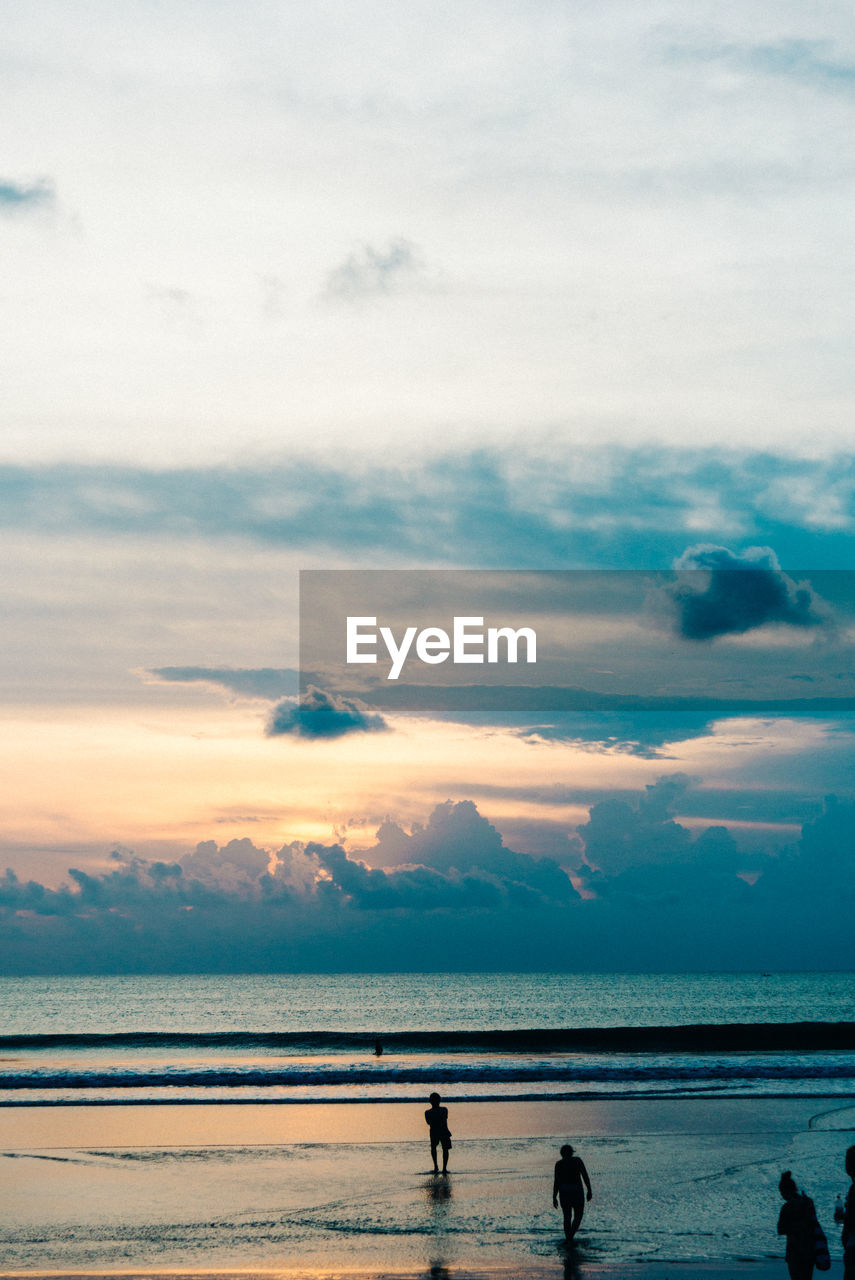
<point x="302" y="1075"/>
<point x="731" y="1037"/>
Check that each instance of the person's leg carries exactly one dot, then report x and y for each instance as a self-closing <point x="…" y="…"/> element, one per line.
<point x="573" y="1206"/>
<point x="567" y="1210"/>
<point x="444" y="1157"/>
<point x="578" y="1210"/>
<point x="433" y="1157"/>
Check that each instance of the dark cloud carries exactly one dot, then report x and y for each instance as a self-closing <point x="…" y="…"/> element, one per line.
<point x="620" y="833"/>
<point x="828" y="842"/>
<point x="24" y="197"/>
<point x="371" y="273"/>
<point x="456" y="897"/>
<point x="318" y="714"/>
<point x="719" y="593"/>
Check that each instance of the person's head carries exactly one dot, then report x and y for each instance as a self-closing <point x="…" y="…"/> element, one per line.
<point x="787" y="1186"/>
<point x="850" y="1162"/>
<point x="434" y="1099"/>
<point x="566" y="1151"/>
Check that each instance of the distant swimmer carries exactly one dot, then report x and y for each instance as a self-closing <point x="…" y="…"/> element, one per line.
<point x="567" y="1186"/>
<point x="436" y="1118"/>
<point x="797" y="1221"/>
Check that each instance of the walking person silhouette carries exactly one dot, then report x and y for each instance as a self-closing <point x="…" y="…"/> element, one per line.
<point x="567" y="1187"/>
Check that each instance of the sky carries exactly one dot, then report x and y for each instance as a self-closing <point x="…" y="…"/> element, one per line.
<point x="541" y="289"/>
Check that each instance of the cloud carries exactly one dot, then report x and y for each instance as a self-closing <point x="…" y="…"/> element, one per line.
<point x="26" y="197"/>
<point x="646" y="734"/>
<point x="236" y="906"/>
<point x="810" y="62"/>
<point x="729" y="594"/>
<point x="318" y="714"/>
<point x="371" y="273"/>
<point x="236" y="866"/>
<point x="763" y="809"/>
<point x="252" y="682"/>
<point x="620" y="833"/>
<point x="660" y="896"/>
<point x="488" y="508"/>
<point x="459" y="843"/>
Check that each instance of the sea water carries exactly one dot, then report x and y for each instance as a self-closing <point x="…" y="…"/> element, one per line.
<point x="394" y="1037"/>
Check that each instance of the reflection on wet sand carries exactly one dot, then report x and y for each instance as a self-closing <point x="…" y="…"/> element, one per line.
<point x="438" y="1195"/>
<point x="570" y="1260"/>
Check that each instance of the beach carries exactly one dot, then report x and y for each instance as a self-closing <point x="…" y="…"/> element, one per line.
<point x="681" y="1186"/>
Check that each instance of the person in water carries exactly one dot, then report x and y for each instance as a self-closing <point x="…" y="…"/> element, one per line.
<point x="567" y="1187"/>
<point x="436" y="1118"/>
<point x="797" y="1221"/>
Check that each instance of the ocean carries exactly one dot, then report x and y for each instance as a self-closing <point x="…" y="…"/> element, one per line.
<point x="314" y="1037"/>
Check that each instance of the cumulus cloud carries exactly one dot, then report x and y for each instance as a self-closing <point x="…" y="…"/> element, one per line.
<point x="719" y="593"/>
<point x="238" y="906"/>
<point x="620" y="833"/>
<point x="319" y="714"/>
<point x="371" y="273"/>
<point x="460" y="844"/>
<point x="660" y="895"/>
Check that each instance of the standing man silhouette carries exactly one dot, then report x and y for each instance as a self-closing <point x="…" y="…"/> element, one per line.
<point x="436" y="1118"/>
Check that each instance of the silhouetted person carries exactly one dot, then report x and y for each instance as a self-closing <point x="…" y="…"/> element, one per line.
<point x="440" y="1134"/>
<point x="567" y="1187"/>
<point x="848" y="1220"/>
<point x="797" y="1221"/>
<point x="378" y="1049"/>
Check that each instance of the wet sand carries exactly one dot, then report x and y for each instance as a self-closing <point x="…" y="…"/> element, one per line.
<point x="681" y="1187"/>
<point x="593" y="1271"/>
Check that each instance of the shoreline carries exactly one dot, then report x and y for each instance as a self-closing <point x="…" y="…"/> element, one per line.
<point x="683" y="1188"/>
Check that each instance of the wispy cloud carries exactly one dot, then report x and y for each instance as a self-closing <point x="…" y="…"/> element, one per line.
<point x="268" y="683"/>
<point x="371" y="272"/>
<point x="617" y="508"/>
<point x="812" y="62"/>
<point x="26" y="197"/>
